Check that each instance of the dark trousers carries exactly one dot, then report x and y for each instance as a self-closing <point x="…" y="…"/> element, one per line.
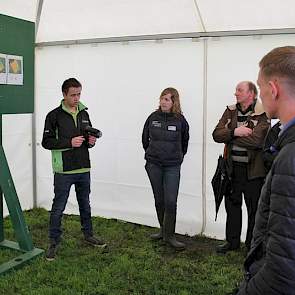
<point x="62" y="185"/>
<point x="233" y="204"/>
<point x="165" y="185"/>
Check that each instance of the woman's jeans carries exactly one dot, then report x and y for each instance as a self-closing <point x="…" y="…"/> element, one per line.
<point x="62" y="186"/>
<point x="165" y="185"/>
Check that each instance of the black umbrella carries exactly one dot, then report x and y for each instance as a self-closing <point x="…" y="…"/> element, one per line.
<point x="220" y="183"/>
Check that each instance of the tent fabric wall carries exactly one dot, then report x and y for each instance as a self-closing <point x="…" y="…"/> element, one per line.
<point x="21" y="9"/>
<point x="230" y="60"/>
<point x="122" y="82"/>
<point x="110" y="18"/>
<point x="17" y="145"/>
<point x="63" y="20"/>
<point x="232" y="15"/>
<point x="121" y="87"/>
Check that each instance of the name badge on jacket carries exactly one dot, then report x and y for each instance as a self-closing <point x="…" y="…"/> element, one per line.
<point x="172" y="128"/>
<point x="156" y="124"/>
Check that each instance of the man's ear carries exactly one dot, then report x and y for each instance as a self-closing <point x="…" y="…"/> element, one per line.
<point x="275" y="89"/>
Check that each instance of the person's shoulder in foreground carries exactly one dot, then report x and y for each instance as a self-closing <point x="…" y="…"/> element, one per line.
<point x="270" y="264"/>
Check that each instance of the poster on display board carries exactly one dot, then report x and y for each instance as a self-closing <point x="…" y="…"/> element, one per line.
<point x="3" y="69"/>
<point x="15" y="70"/>
<point x="11" y="69"/>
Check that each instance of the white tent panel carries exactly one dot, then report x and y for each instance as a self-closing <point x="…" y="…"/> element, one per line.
<point x="121" y="87"/>
<point x="17" y="145"/>
<point x="230" y="15"/>
<point x="68" y="19"/>
<point x="230" y="60"/>
<point x="18" y="8"/>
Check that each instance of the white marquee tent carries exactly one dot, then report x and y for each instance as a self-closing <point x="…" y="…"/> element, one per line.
<point x="125" y="52"/>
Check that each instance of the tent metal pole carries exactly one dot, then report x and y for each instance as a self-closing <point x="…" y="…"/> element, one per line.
<point x="38" y="16"/>
<point x="204" y="144"/>
<point x="169" y="36"/>
<point x="200" y="15"/>
<point x="34" y="141"/>
<point x="34" y="160"/>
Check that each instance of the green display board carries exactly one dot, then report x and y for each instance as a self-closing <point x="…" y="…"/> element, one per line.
<point x="17" y="41"/>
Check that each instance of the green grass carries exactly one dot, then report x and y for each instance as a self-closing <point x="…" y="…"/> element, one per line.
<point x="132" y="264"/>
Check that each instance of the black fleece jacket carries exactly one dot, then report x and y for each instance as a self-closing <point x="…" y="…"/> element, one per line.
<point x="165" y="138"/>
<point x="59" y="130"/>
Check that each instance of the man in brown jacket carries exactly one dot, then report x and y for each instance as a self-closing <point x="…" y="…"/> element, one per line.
<point x="242" y="128"/>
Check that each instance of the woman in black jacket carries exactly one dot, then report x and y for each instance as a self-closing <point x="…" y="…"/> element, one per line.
<point x="165" y="139"/>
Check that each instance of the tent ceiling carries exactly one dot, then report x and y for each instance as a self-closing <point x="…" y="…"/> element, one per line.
<point x="19" y="8"/>
<point x="109" y="18"/>
<point x="228" y="15"/>
<point x="75" y="19"/>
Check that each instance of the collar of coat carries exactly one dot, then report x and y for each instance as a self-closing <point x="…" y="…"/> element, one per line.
<point x="287" y="136"/>
<point x="258" y="109"/>
<point x="80" y="108"/>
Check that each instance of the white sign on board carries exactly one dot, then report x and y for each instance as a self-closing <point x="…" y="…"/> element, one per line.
<point x="3" y="69"/>
<point x="14" y="64"/>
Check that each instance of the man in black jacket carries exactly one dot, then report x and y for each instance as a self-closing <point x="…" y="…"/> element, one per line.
<point x="270" y="264"/>
<point x="64" y="134"/>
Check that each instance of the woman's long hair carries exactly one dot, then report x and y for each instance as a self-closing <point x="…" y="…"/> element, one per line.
<point x="176" y="108"/>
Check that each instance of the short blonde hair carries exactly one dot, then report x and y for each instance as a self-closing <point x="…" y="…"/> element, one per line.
<point x="280" y="62"/>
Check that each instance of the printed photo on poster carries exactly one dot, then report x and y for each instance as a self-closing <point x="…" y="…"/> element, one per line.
<point x="14" y="66"/>
<point x="3" y="69"/>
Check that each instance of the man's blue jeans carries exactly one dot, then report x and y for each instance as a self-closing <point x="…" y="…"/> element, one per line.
<point x="165" y="185"/>
<point x="62" y="186"/>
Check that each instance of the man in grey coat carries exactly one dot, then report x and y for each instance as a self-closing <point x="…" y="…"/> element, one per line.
<point x="270" y="264"/>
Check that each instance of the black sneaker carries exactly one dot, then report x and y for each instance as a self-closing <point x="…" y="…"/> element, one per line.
<point x="95" y="242"/>
<point x="51" y="252"/>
